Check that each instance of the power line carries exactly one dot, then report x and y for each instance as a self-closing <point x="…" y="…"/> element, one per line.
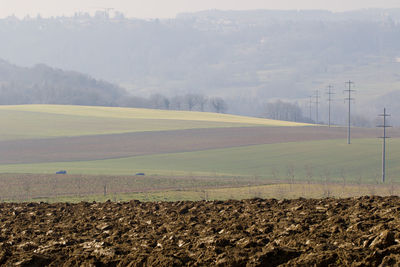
<point x="329" y="93"/>
<point x="349" y="83"/>
<point x="384" y="137"/>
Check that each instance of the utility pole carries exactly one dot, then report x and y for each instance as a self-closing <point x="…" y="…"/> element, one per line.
<point x="349" y="83"/>
<point x="316" y="105"/>
<point x="330" y="93"/>
<point x="310" y="107"/>
<point x="384" y="137"/>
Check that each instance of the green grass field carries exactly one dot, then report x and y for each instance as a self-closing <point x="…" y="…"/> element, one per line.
<point x="331" y="160"/>
<point x="42" y="121"/>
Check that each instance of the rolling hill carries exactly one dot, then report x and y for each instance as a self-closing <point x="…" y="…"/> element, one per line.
<point x="103" y="147"/>
<point x="44" y="121"/>
<point x="110" y="140"/>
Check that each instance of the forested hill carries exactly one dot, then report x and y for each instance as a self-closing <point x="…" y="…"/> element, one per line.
<point x="45" y="85"/>
<point x="42" y="84"/>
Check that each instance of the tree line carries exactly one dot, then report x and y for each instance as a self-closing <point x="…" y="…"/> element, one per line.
<point x="191" y="102"/>
<point x="285" y="111"/>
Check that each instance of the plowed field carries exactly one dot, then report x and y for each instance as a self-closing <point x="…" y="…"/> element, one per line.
<point x="327" y="232"/>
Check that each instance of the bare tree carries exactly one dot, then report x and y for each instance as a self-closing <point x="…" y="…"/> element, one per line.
<point x="391" y="187"/>
<point x="359" y="179"/>
<point x="26" y="185"/>
<point x="105" y="184"/>
<point x="190" y="101"/>
<point x="286" y="111"/>
<point x="290" y="174"/>
<point x="361" y="121"/>
<point x="275" y="173"/>
<point x="159" y="101"/>
<point x="309" y="172"/>
<point x="343" y="176"/>
<point x="54" y="183"/>
<point x="78" y="186"/>
<point x="327" y="189"/>
<point x="136" y="102"/>
<point x="176" y="103"/>
<point x="195" y="102"/>
<point x="201" y="102"/>
<point x="218" y="104"/>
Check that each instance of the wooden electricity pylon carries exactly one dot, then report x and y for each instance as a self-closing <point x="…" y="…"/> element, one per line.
<point x="349" y="83"/>
<point x="310" y="105"/>
<point x="384" y="137"/>
<point x="316" y="105"/>
<point x="329" y="93"/>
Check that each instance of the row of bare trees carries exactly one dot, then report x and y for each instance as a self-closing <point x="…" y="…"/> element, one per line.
<point x="285" y="111"/>
<point x="191" y="102"/>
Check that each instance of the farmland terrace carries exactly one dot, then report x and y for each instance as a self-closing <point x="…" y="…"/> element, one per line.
<point x="259" y="232"/>
<point x="158" y="142"/>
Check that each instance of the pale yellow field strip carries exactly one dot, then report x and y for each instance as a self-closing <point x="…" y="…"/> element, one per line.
<point x="139" y="113"/>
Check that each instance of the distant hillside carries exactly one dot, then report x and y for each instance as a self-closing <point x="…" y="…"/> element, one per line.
<point x="45" y="85"/>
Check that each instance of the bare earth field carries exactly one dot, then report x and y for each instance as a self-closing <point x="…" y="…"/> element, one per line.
<point x="303" y="232"/>
<point x="146" y="143"/>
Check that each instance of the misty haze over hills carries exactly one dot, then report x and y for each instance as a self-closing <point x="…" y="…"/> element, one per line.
<point x="246" y="57"/>
<point x="42" y="84"/>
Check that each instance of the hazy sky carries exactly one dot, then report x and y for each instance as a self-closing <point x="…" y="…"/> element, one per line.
<point x="169" y="8"/>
